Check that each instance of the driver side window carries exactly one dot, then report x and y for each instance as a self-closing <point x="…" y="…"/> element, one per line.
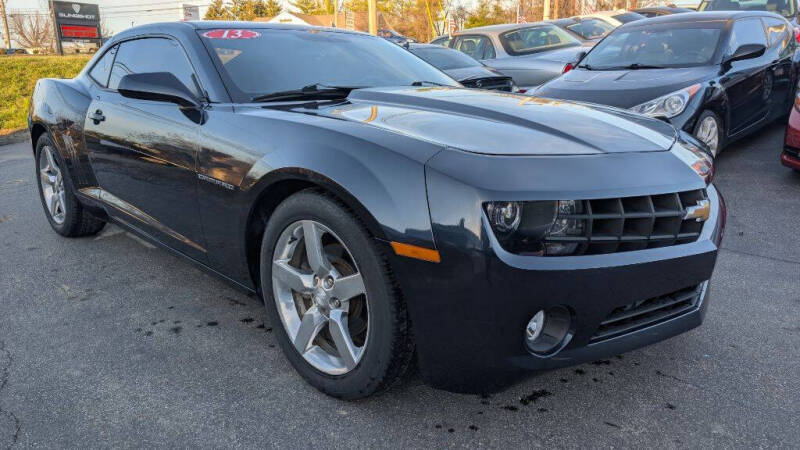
<point x="152" y="55"/>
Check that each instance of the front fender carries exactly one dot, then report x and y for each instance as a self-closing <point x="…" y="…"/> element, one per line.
<point x="368" y="168"/>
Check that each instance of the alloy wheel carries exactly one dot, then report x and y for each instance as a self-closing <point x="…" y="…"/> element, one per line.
<point x="52" y="182"/>
<point x="708" y="133"/>
<point x="320" y="296"/>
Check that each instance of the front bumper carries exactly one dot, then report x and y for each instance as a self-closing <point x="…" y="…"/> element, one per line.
<point x="469" y="312"/>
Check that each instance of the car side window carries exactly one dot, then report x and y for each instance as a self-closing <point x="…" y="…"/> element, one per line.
<point x="488" y="52"/>
<point x="102" y="68"/>
<point x="778" y="34"/>
<point x="474" y="46"/>
<point x="152" y="55"/>
<point x="746" y="31"/>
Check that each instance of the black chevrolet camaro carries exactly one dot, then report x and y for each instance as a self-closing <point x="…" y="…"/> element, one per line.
<point x="384" y="212"/>
<point x="717" y="75"/>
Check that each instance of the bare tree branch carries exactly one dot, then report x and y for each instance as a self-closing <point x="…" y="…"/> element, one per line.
<point x="32" y="30"/>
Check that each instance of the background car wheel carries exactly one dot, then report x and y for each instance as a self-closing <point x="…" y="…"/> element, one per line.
<point x="708" y="130"/>
<point x="63" y="211"/>
<point x="328" y="292"/>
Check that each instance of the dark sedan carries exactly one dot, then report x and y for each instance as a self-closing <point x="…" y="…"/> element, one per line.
<point x="382" y="211"/>
<point x="463" y="68"/>
<point x="718" y="75"/>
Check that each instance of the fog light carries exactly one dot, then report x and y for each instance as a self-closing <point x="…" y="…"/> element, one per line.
<point x="548" y="331"/>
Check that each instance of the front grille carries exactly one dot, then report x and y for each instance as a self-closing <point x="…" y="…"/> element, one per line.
<point x="634" y="316"/>
<point x="492" y="83"/>
<point x="632" y="223"/>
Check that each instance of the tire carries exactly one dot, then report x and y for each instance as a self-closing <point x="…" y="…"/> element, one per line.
<point x="71" y="219"/>
<point x="387" y="349"/>
<point x="720" y="126"/>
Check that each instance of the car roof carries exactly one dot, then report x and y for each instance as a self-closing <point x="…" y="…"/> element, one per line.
<point x="502" y="27"/>
<point x="690" y="17"/>
<point x="564" y="21"/>
<point x="663" y="8"/>
<point x="183" y="27"/>
<point x="415" y="45"/>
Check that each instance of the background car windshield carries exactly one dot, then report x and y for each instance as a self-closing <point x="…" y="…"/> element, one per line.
<point x="591" y="28"/>
<point x="536" y="39"/>
<point x="278" y="60"/>
<point x="676" y="47"/>
<point x="785" y="8"/>
<point x="445" y="59"/>
<point x="628" y="17"/>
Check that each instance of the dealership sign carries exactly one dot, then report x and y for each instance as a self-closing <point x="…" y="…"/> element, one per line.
<point x="77" y="22"/>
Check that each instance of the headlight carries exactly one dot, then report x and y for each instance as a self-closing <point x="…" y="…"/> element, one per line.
<point x="669" y="105"/>
<point x="523" y="227"/>
<point x="696" y="155"/>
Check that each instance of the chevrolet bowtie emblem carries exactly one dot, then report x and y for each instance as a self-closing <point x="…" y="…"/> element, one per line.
<point x="700" y="212"/>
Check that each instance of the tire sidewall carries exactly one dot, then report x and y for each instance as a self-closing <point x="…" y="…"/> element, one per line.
<point x="366" y="377"/>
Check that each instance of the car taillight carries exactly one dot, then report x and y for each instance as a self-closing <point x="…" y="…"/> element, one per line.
<point x="567" y="68"/>
<point x="797" y="34"/>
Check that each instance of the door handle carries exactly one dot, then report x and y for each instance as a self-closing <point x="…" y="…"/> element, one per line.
<point x="98" y="117"/>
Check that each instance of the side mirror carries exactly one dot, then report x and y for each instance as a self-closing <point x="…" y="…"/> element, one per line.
<point x="157" y="86"/>
<point x="747" y="51"/>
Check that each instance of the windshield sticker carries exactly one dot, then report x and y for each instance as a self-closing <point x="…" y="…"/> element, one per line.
<point x="231" y="34"/>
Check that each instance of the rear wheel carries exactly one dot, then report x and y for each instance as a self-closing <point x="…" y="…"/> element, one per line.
<point x="343" y="325"/>
<point x="709" y="131"/>
<point x="65" y="214"/>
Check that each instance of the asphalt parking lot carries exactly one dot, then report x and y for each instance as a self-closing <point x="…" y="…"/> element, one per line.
<point x="109" y="342"/>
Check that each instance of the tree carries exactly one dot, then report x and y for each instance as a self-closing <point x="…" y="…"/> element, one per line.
<point x="306" y="6"/>
<point x="243" y="10"/>
<point x="218" y="11"/>
<point x="32" y="30"/>
<point x="268" y="8"/>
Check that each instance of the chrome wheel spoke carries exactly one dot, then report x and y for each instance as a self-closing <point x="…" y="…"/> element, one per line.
<point x="348" y="287"/>
<point x="292" y="277"/>
<point x="341" y="338"/>
<point x="312" y="323"/>
<point x="46" y="177"/>
<point x="51" y="203"/>
<point x="50" y="160"/>
<point x="312" y="236"/>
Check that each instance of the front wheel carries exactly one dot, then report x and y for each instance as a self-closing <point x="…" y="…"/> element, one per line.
<point x="343" y="325"/>
<point x="709" y="131"/>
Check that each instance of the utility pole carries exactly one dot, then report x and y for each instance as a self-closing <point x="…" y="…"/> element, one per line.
<point x="373" y="16"/>
<point x="55" y="29"/>
<point x="546" y="10"/>
<point x="5" y="24"/>
<point x="555" y="9"/>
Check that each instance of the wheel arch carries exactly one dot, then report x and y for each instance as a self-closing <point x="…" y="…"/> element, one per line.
<point x="274" y="188"/>
<point x="37" y="130"/>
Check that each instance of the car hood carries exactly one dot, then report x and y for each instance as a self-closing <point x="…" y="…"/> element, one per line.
<point x="623" y="88"/>
<point x="498" y="123"/>
<point x="467" y="73"/>
<point x="560" y="57"/>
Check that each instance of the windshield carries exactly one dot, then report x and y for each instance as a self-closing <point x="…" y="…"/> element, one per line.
<point x="256" y="62"/>
<point x="536" y="39"/>
<point x="591" y="28"/>
<point x="786" y="8"/>
<point x="445" y="59"/>
<point x="670" y="47"/>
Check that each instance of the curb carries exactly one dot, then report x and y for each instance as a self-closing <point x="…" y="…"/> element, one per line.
<point x="14" y="137"/>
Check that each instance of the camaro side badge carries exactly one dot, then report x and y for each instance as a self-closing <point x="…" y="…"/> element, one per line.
<point x="700" y="212"/>
<point x="227" y="186"/>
